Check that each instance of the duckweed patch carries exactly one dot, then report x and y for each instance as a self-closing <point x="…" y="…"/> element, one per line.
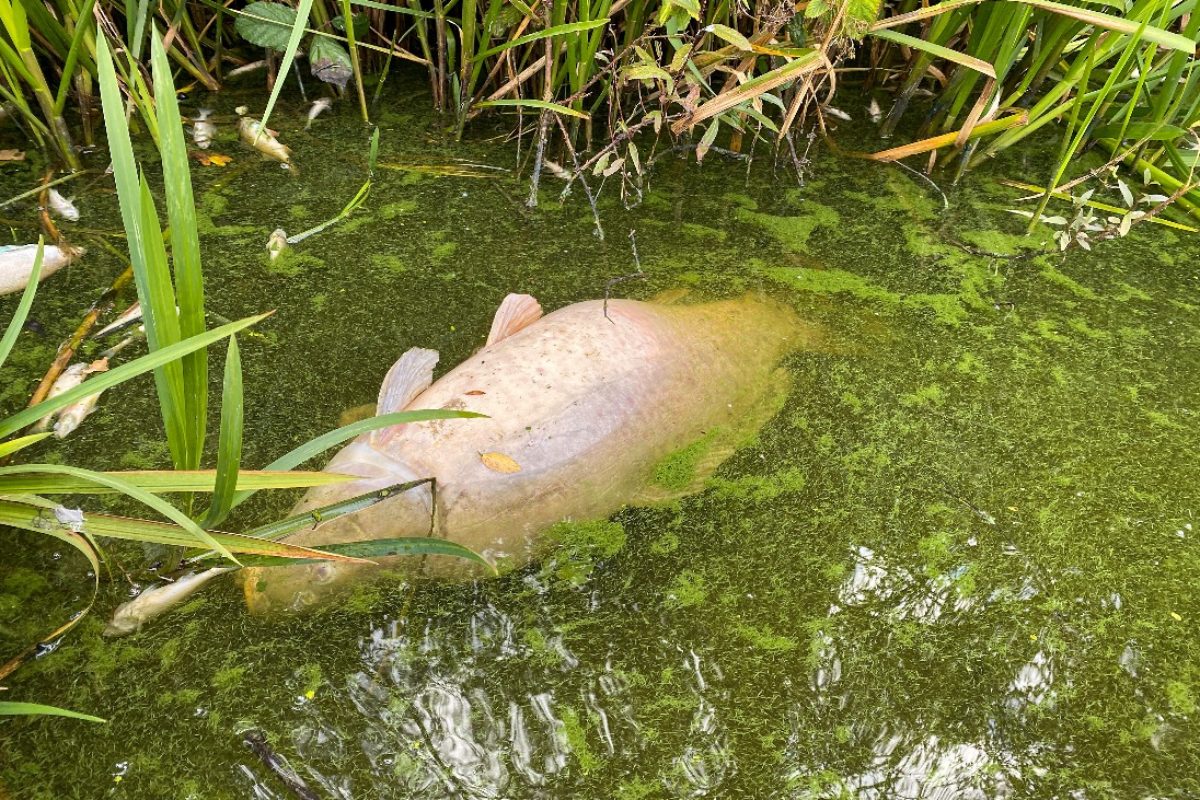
<point x="761" y="488"/>
<point x="793" y="233"/>
<point x="763" y="638"/>
<point x="292" y="262"/>
<point x="686" y="590"/>
<point x="677" y="471"/>
<point x="398" y="208"/>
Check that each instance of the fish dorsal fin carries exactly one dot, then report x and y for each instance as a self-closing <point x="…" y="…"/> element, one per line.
<point x="408" y="377"/>
<point x="516" y="312"/>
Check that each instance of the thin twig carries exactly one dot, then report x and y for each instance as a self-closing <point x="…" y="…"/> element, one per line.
<point x="634" y="276"/>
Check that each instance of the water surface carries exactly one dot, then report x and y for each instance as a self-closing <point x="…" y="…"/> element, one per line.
<point x="960" y="562"/>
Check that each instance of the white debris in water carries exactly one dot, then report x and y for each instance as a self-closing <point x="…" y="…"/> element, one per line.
<point x="69" y="517"/>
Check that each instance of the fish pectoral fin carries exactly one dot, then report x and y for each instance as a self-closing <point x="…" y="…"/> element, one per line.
<point x="408" y="377"/>
<point x="518" y="311"/>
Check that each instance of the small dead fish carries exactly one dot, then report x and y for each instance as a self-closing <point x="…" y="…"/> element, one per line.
<point x="71" y="377"/>
<point x="277" y="243"/>
<point x="130" y="617"/>
<point x="128" y="317"/>
<point x="255" y="135"/>
<point x="203" y="131"/>
<point x="62" y="207"/>
<point x="245" y="68"/>
<point x="16" y="263"/>
<point x="557" y="170"/>
<point x="319" y="107"/>
<point x="71" y="417"/>
<point x="836" y="113"/>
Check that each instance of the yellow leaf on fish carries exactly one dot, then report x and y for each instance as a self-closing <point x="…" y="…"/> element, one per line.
<point x="498" y="462"/>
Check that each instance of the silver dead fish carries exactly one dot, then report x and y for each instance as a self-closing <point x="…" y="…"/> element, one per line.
<point x="128" y="317"/>
<point x="62" y="207"/>
<point x="203" y="131"/>
<point x="71" y="417"/>
<point x="244" y="68"/>
<point x="319" y="107"/>
<point x="836" y="113"/>
<point x="16" y="263"/>
<point x="71" y="377"/>
<point x="255" y="135"/>
<point x="131" y="616"/>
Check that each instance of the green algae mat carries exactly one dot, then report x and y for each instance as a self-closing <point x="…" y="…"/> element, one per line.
<point x="960" y="561"/>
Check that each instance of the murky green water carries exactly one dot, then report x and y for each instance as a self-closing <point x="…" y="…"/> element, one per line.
<point x="960" y="563"/>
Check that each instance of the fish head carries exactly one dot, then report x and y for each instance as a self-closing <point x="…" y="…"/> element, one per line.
<point x="123" y="623"/>
<point x="405" y="513"/>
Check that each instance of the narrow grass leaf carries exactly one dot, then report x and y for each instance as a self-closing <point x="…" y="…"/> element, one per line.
<point x="531" y="103"/>
<point x="18" y="515"/>
<point x="152" y="501"/>
<point x="289" y="55"/>
<point x="936" y="50"/>
<point x="385" y="548"/>
<point x="13" y="445"/>
<point x="229" y="445"/>
<point x="545" y="33"/>
<point x="166" y="481"/>
<point x="185" y="251"/>
<point x="8" y="708"/>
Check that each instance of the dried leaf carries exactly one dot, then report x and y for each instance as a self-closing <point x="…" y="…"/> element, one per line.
<point x="12" y="155"/>
<point x="498" y="462"/>
<point x="476" y="392"/>
<point x="212" y="159"/>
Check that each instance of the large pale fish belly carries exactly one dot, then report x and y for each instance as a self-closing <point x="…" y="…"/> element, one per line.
<point x="585" y="403"/>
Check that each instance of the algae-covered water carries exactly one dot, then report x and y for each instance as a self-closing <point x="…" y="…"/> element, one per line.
<point x="960" y="562"/>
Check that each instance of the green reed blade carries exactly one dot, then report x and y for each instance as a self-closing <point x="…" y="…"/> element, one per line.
<point x="169" y="480"/>
<point x="289" y="55"/>
<point x="185" y="254"/>
<point x="152" y="501"/>
<point x="229" y="443"/>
